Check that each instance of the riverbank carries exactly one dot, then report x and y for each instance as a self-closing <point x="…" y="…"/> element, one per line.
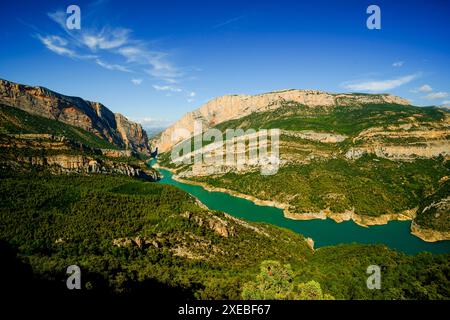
<point x="429" y="235"/>
<point x="361" y="220"/>
<point x="425" y="235"/>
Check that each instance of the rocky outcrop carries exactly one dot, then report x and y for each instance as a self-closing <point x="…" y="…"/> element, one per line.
<point x="432" y="222"/>
<point x="310" y="243"/>
<point x="212" y="222"/>
<point x="402" y="152"/>
<point x="138" y="241"/>
<point x="236" y="106"/>
<point x="64" y="163"/>
<point x="116" y="153"/>
<point x="324" y="137"/>
<point x="49" y="141"/>
<point x="406" y="141"/>
<point x="362" y="220"/>
<point x="429" y="235"/>
<point x="90" y="116"/>
<point x="132" y="134"/>
<point x="59" y="155"/>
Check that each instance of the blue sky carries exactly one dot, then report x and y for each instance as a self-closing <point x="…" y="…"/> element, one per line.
<point x="155" y="60"/>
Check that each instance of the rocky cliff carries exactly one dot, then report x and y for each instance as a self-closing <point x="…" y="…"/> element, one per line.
<point x="59" y="155"/>
<point x="90" y="116"/>
<point x="236" y="106"/>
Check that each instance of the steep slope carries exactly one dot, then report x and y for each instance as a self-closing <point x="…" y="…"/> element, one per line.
<point x="27" y="146"/>
<point x="14" y="121"/>
<point x="369" y="162"/>
<point x="229" y="107"/>
<point x="433" y="215"/>
<point x="90" y="116"/>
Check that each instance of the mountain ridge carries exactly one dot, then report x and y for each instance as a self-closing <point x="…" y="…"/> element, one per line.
<point x="90" y="116"/>
<point x="229" y="107"/>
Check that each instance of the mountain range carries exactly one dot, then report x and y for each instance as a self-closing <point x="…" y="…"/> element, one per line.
<point x="230" y="107"/>
<point x="93" y="117"/>
<point x="333" y="148"/>
<point x="75" y="189"/>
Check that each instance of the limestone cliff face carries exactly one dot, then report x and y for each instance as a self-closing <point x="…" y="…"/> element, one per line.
<point x="236" y="106"/>
<point x="63" y="164"/>
<point x="131" y="133"/>
<point x="404" y="142"/>
<point x="59" y="155"/>
<point x="90" y="116"/>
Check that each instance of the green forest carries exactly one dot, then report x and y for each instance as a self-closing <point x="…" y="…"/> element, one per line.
<point x="131" y="237"/>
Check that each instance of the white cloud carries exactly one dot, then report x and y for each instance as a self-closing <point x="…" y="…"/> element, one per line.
<point x="166" y="88"/>
<point x="59" y="17"/>
<point x="192" y="94"/>
<point x="58" y="45"/>
<point x="425" y="88"/>
<point x="136" y="81"/>
<point x="219" y="25"/>
<point x="108" y="66"/>
<point x="379" y="85"/>
<point x="105" y="39"/>
<point x="398" y="64"/>
<point x="446" y="102"/>
<point x="436" y="95"/>
<point x="138" y="54"/>
<point x="160" y="67"/>
<point x="190" y="100"/>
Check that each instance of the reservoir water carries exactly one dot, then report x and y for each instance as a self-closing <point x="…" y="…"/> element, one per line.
<point x="395" y="234"/>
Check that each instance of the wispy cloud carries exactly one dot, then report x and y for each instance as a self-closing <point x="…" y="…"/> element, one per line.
<point x="136" y="81"/>
<point x="424" y="88"/>
<point x="224" y="23"/>
<point x="436" y="95"/>
<point x="166" y="88"/>
<point x="59" y="17"/>
<point x="59" y="46"/>
<point x="108" y="66"/>
<point x="129" y="54"/>
<point x="191" y="95"/>
<point x="154" y="62"/>
<point x="398" y="64"/>
<point x="107" y="38"/>
<point x="379" y="85"/>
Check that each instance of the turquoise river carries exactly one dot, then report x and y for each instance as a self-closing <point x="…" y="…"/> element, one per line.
<point x="395" y="234"/>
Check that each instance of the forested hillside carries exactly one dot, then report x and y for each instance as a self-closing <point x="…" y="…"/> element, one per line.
<point x="130" y="237"/>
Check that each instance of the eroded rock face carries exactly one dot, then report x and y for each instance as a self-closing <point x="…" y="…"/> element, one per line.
<point x="62" y="163"/>
<point x="429" y="235"/>
<point x="236" y="106"/>
<point x="132" y="134"/>
<point x="90" y="116"/>
<point x="407" y="152"/>
<point x="212" y="222"/>
<point x="60" y="155"/>
<point x="324" y="137"/>
<point x="406" y="141"/>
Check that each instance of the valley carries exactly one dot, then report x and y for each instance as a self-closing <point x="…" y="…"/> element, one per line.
<point x="370" y="163"/>
<point x="73" y="193"/>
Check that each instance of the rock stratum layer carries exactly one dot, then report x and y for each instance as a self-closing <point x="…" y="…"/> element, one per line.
<point x="231" y="107"/>
<point x="90" y="116"/>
